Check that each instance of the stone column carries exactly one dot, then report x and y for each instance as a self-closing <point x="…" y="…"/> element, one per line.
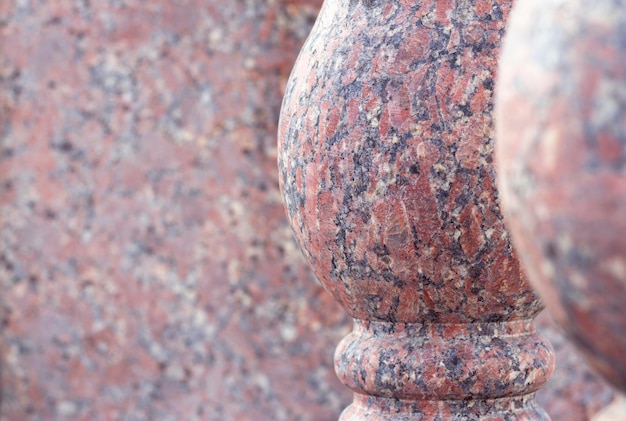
<point x="562" y="166"/>
<point x="386" y="149"/>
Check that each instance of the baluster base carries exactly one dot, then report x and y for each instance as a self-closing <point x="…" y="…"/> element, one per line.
<point x="465" y="371"/>
<point x="368" y="408"/>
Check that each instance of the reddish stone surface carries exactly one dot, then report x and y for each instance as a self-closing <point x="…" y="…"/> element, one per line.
<point x="147" y="271"/>
<point x="574" y="392"/>
<point x="386" y="168"/>
<point x="562" y="166"/>
<point x="616" y="411"/>
<point x="176" y="294"/>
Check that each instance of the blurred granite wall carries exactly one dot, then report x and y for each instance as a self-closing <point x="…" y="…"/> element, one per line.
<point x="146" y="268"/>
<point x="147" y="271"/>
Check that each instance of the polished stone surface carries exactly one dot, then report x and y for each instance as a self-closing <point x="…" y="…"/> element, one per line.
<point x="574" y="392"/>
<point x="177" y="294"/>
<point x="562" y="166"/>
<point x="147" y="271"/>
<point x="386" y="147"/>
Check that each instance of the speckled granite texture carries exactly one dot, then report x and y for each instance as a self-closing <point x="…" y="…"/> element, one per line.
<point x="574" y="392"/>
<point x="385" y="156"/>
<point x="562" y="166"/>
<point x="147" y="271"/>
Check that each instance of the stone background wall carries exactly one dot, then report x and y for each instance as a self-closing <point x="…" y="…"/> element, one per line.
<point x="147" y="271"/>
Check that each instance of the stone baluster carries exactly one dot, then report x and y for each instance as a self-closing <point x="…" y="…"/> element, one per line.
<point x="562" y="166"/>
<point x="385" y="158"/>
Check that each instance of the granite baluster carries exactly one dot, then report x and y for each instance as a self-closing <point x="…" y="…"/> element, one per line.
<point x="385" y="158"/>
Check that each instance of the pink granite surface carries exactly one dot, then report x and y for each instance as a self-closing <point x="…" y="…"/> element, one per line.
<point x="386" y="165"/>
<point x="574" y="392"/>
<point x="146" y="268"/>
<point x="562" y="166"/>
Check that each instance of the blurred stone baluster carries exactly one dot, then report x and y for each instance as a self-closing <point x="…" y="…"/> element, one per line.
<point x="562" y="166"/>
<point x="385" y="157"/>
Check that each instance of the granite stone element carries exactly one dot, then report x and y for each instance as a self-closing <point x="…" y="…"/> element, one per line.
<point x="385" y="157"/>
<point x="177" y="294"/>
<point x="616" y="411"/>
<point x="574" y="392"/>
<point x="147" y="270"/>
<point x="562" y="166"/>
